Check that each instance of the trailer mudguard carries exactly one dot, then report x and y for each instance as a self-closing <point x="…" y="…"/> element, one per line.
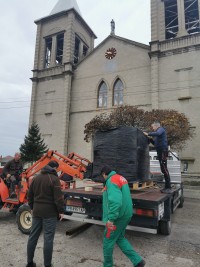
<point x="4" y="192"/>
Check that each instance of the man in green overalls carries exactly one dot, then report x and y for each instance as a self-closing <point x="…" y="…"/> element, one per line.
<point x="117" y="213"/>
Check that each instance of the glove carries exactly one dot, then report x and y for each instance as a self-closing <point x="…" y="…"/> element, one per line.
<point x="110" y="228"/>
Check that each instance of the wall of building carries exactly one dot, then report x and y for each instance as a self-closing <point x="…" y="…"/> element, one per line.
<point x="131" y="64"/>
<point x="65" y="98"/>
<point x="175" y="70"/>
<point x="51" y="89"/>
<point x="179" y="89"/>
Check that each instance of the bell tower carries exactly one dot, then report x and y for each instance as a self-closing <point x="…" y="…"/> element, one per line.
<point x="63" y="40"/>
<point x="175" y="28"/>
<point x="175" y="56"/>
<point x="174" y="18"/>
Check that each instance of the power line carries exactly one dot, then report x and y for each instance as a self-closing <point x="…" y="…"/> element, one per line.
<point x="87" y="98"/>
<point x="16" y="107"/>
<point x="55" y="100"/>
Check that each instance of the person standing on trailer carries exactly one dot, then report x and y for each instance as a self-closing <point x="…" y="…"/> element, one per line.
<point x="117" y="213"/>
<point x="159" y="139"/>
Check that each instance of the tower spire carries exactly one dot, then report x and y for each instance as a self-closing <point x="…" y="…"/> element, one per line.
<point x="64" y="5"/>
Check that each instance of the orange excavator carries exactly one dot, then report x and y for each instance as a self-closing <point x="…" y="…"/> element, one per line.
<point x="73" y="165"/>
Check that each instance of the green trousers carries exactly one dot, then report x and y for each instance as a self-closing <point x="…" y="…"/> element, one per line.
<point x="117" y="237"/>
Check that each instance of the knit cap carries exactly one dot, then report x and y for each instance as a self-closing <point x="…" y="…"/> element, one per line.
<point x="53" y="164"/>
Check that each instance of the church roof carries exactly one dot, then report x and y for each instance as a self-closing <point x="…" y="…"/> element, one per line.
<point x="64" y="5"/>
<point x="121" y="39"/>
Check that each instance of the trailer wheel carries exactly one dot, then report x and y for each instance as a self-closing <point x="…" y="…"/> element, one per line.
<point x="1" y="203"/>
<point x="165" y="227"/>
<point x="68" y="213"/>
<point x="181" y="202"/>
<point x="24" y="219"/>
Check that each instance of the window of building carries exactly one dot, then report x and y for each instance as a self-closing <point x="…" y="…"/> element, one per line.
<point x="76" y="50"/>
<point x="80" y="49"/>
<point x="59" y="48"/>
<point x="49" y="101"/>
<point x="171" y="19"/>
<point x="48" y="51"/>
<point x="85" y="50"/>
<point x="102" y="95"/>
<point x="191" y="16"/>
<point x="118" y="93"/>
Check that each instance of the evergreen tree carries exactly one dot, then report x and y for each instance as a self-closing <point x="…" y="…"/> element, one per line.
<point x="34" y="146"/>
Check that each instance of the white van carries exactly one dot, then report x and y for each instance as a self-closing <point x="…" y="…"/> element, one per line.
<point x="171" y="156"/>
<point x="173" y="164"/>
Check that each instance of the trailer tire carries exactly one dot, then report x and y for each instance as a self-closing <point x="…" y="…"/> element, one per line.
<point x="68" y="213"/>
<point x="24" y="219"/>
<point x="165" y="227"/>
<point x="181" y="202"/>
<point x="1" y="203"/>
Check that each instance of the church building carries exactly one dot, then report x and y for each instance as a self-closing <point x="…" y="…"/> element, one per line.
<point x="73" y="81"/>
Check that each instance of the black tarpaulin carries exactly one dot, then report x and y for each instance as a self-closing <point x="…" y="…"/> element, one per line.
<point x="125" y="150"/>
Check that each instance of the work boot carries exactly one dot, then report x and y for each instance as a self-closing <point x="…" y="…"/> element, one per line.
<point x="166" y="190"/>
<point x="31" y="264"/>
<point x="141" y="264"/>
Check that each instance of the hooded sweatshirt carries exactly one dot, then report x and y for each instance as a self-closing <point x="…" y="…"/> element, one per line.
<point x="45" y="196"/>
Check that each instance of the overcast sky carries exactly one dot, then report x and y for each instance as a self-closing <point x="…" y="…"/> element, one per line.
<point x="17" y="46"/>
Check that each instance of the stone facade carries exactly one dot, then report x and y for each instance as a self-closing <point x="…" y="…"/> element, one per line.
<point x="175" y="71"/>
<point x="163" y="75"/>
<point x="51" y="92"/>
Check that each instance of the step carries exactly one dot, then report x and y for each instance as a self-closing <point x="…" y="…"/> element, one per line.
<point x="12" y="199"/>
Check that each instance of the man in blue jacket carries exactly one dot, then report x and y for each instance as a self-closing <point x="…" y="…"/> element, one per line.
<point x="159" y="139"/>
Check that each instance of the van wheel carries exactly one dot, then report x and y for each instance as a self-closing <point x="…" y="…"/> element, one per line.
<point x="165" y="227"/>
<point x="24" y="219"/>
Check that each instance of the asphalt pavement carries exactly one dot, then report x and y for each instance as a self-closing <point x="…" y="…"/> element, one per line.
<point x="191" y="186"/>
<point x="180" y="249"/>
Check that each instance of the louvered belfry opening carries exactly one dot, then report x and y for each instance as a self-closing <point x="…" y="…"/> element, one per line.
<point x="177" y="11"/>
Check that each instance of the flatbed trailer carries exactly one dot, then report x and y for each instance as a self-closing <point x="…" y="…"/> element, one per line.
<point x="152" y="209"/>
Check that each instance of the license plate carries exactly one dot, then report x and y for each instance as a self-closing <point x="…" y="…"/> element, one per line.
<point x="75" y="209"/>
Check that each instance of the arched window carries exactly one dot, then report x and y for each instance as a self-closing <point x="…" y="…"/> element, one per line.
<point x="118" y="93"/>
<point x="102" y="95"/>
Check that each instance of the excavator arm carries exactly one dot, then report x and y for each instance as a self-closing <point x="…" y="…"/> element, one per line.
<point x="73" y="164"/>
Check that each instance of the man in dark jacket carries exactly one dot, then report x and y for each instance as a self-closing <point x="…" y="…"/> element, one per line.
<point x="11" y="173"/>
<point x="117" y="213"/>
<point x="159" y="139"/>
<point x="47" y="204"/>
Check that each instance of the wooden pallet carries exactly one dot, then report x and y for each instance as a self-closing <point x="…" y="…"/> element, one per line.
<point x="142" y="185"/>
